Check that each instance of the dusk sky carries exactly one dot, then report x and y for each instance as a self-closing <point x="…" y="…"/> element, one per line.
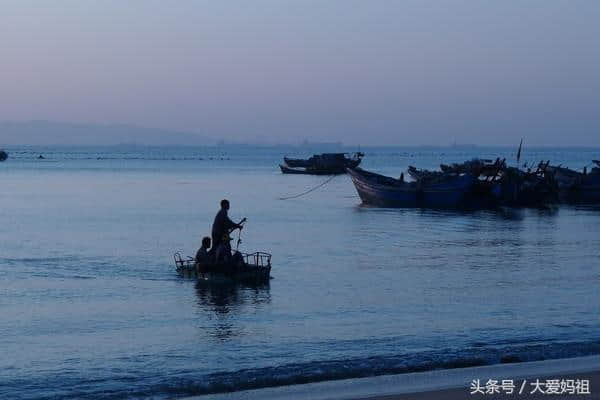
<point x="360" y="72"/>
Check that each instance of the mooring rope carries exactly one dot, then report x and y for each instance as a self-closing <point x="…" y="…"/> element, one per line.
<point x="310" y="190"/>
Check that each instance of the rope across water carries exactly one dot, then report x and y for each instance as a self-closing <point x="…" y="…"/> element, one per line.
<point x="310" y="190"/>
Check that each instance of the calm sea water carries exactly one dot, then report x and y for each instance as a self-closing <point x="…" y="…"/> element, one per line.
<point x="91" y="307"/>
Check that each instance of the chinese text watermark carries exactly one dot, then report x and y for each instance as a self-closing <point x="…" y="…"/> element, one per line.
<point x="524" y="387"/>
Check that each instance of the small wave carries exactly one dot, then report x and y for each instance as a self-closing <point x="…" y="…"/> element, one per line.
<point x="39" y="260"/>
<point x="186" y="383"/>
<point x="419" y="362"/>
<point x="359" y="368"/>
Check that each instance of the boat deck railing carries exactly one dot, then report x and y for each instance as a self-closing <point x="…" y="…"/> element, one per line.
<point x="260" y="259"/>
<point x="183" y="263"/>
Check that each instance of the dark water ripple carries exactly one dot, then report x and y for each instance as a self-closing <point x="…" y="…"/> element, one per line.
<point x="186" y="382"/>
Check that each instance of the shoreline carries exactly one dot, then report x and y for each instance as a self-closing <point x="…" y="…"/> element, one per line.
<point x="438" y="384"/>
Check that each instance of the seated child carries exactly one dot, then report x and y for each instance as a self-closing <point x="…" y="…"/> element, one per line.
<point x="203" y="258"/>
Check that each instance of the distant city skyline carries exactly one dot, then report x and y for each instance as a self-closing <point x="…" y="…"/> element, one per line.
<point x="382" y="72"/>
<point x="49" y="133"/>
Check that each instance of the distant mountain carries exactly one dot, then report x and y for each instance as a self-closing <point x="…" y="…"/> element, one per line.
<point x="64" y="133"/>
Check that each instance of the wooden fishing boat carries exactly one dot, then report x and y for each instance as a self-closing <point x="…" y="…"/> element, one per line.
<point x="527" y="188"/>
<point x="286" y="169"/>
<point x="297" y="162"/>
<point x="577" y="187"/>
<point x="321" y="164"/>
<point x="588" y="191"/>
<point x="447" y="191"/>
<point x="255" y="268"/>
<point x="477" y="167"/>
<point x="420" y="174"/>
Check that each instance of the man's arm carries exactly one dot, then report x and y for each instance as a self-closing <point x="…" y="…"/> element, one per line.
<point x="231" y="226"/>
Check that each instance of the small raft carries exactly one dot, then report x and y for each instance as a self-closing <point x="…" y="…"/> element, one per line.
<point x="255" y="268"/>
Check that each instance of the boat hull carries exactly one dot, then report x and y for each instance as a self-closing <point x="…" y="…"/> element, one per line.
<point x="253" y="268"/>
<point x="249" y="274"/>
<point x="286" y="169"/>
<point x="321" y="164"/>
<point x="586" y="192"/>
<point x="296" y="162"/>
<point x="381" y="191"/>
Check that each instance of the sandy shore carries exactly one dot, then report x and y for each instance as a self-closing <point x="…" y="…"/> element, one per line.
<point x="441" y="384"/>
<point x="465" y="392"/>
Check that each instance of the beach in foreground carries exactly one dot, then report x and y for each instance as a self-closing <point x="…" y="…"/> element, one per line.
<point x="450" y="384"/>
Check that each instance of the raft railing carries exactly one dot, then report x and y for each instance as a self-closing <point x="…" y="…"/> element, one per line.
<point x="181" y="263"/>
<point x="259" y="258"/>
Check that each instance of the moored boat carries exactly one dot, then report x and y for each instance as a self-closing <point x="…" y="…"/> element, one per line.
<point x="297" y="162"/>
<point x="526" y="188"/>
<point x="588" y="191"/>
<point x="286" y="169"/>
<point x="321" y="164"/>
<point x="577" y="187"/>
<point x="501" y="185"/>
<point x="447" y="191"/>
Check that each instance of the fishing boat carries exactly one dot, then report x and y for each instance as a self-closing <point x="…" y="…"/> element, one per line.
<point x="255" y="268"/>
<point x="501" y="185"/>
<point x="476" y="167"/>
<point x="297" y="162"/>
<point x="237" y="267"/>
<point x="578" y="187"/>
<point x="588" y="191"/>
<point x="3" y="155"/>
<point x="445" y="191"/>
<point x="528" y="188"/>
<point x="310" y="171"/>
<point x="322" y="164"/>
<point x="419" y="174"/>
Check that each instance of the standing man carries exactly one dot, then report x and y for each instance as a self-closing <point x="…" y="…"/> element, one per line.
<point x="222" y="226"/>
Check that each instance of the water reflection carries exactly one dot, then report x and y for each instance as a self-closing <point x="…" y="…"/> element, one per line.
<point x="585" y="207"/>
<point x="225" y="301"/>
<point x="225" y="298"/>
<point x="506" y="213"/>
<point x="503" y="238"/>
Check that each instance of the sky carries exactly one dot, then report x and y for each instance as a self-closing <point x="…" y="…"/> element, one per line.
<point x="361" y="72"/>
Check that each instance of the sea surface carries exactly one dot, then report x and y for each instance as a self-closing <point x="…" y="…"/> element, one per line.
<point x="91" y="306"/>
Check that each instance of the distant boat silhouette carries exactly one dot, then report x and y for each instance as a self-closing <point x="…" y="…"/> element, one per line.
<point x="321" y="164"/>
<point x="3" y="155"/>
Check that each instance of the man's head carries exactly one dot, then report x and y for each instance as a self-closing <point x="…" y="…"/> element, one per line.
<point x="206" y="242"/>
<point x="225" y="204"/>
